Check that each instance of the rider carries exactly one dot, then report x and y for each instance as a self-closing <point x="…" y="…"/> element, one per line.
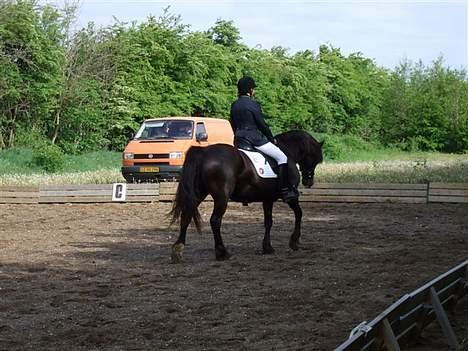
<point x="248" y="123"/>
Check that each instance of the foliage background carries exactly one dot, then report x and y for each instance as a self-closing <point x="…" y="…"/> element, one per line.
<point x="87" y="90"/>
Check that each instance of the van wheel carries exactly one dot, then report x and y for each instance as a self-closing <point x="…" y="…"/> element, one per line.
<point x="130" y="180"/>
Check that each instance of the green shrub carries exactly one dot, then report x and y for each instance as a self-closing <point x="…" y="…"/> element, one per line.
<point x="332" y="148"/>
<point x="17" y="160"/>
<point x="341" y="147"/>
<point x="29" y="138"/>
<point x="48" y="157"/>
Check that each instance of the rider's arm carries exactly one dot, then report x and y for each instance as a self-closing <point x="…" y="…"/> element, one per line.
<point x="261" y="124"/>
<point x="231" y="121"/>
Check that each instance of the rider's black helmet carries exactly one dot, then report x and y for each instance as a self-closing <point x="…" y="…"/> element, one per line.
<point x="245" y="84"/>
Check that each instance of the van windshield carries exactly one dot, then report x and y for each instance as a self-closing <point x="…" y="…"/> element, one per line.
<point x="165" y="129"/>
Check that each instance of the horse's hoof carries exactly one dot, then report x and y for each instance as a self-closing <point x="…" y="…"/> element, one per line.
<point x="177" y="250"/>
<point x="293" y="245"/>
<point x="222" y="255"/>
<point x="268" y="250"/>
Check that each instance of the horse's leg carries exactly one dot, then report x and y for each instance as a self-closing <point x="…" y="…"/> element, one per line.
<point x="268" y="222"/>
<point x="179" y="245"/>
<point x="220" y="206"/>
<point x="294" y="240"/>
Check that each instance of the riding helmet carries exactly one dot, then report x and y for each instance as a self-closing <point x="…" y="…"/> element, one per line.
<point x="245" y="84"/>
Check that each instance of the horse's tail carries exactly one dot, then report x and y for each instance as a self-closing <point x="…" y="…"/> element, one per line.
<point x="188" y="193"/>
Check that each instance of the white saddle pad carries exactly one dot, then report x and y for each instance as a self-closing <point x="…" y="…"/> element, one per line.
<point x="261" y="165"/>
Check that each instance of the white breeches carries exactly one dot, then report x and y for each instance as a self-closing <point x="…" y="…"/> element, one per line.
<point x="274" y="151"/>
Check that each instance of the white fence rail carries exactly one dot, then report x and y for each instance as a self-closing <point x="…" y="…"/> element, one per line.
<point x="411" y="313"/>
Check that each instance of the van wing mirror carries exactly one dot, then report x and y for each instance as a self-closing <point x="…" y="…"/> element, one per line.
<point x="202" y="136"/>
<point x="131" y="136"/>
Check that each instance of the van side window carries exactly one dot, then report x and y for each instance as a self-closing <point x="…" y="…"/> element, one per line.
<point x="200" y="128"/>
<point x="201" y="134"/>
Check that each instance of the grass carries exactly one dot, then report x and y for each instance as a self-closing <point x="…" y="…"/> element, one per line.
<point x="372" y="165"/>
<point x="378" y="165"/>
<point x="19" y="161"/>
<point x="404" y="170"/>
<point x="99" y="167"/>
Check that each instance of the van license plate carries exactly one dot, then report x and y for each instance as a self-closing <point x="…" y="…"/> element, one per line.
<point x="149" y="169"/>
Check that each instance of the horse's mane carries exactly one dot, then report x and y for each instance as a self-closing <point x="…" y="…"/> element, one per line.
<point x="296" y="143"/>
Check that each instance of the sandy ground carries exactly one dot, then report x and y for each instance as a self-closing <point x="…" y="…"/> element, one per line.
<point x="99" y="277"/>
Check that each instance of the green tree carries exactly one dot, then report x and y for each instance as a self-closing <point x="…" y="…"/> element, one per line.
<point x="31" y="56"/>
<point x="426" y="108"/>
<point x="87" y="75"/>
<point x="88" y="89"/>
<point x="225" y="33"/>
<point x="356" y="87"/>
<point x="143" y="83"/>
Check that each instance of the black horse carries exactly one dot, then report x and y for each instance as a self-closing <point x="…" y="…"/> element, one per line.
<point x="225" y="173"/>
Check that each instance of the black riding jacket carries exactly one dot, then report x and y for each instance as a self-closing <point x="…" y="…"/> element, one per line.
<point x="248" y="123"/>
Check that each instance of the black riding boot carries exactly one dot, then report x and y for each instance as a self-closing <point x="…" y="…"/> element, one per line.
<point x="287" y="191"/>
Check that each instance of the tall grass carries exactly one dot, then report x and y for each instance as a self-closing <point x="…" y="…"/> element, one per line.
<point x="416" y="171"/>
<point x="99" y="167"/>
<point x="375" y="165"/>
<point x="103" y="176"/>
<point x="19" y="161"/>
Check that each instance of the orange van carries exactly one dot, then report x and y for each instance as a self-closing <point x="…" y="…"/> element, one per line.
<point x="157" y="151"/>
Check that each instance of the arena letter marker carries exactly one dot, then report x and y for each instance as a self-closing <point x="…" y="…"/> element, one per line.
<point x="119" y="192"/>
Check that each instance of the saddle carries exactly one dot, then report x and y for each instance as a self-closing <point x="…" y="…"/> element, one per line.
<point x="265" y="166"/>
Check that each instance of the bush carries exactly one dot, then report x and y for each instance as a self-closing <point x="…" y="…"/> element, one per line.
<point x="332" y="148"/>
<point x="29" y="138"/>
<point x="48" y="157"/>
<point x="342" y="147"/>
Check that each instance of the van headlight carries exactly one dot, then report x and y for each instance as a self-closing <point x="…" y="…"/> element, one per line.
<point x="176" y="155"/>
<point x="128" y="155"/>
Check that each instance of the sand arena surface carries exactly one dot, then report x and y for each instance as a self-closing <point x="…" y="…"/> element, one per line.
<point x="99" y="277"/>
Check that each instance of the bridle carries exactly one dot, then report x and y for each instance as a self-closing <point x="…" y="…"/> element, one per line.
<point x="308" y="174"/>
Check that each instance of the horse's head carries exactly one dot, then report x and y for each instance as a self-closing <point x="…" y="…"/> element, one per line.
<point x="304" y="150"/>
<point x="311" y="157"/>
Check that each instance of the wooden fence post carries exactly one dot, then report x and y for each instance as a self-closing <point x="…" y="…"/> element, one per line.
<point x="443" y="319"/>
<point x="388" y="336"/>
